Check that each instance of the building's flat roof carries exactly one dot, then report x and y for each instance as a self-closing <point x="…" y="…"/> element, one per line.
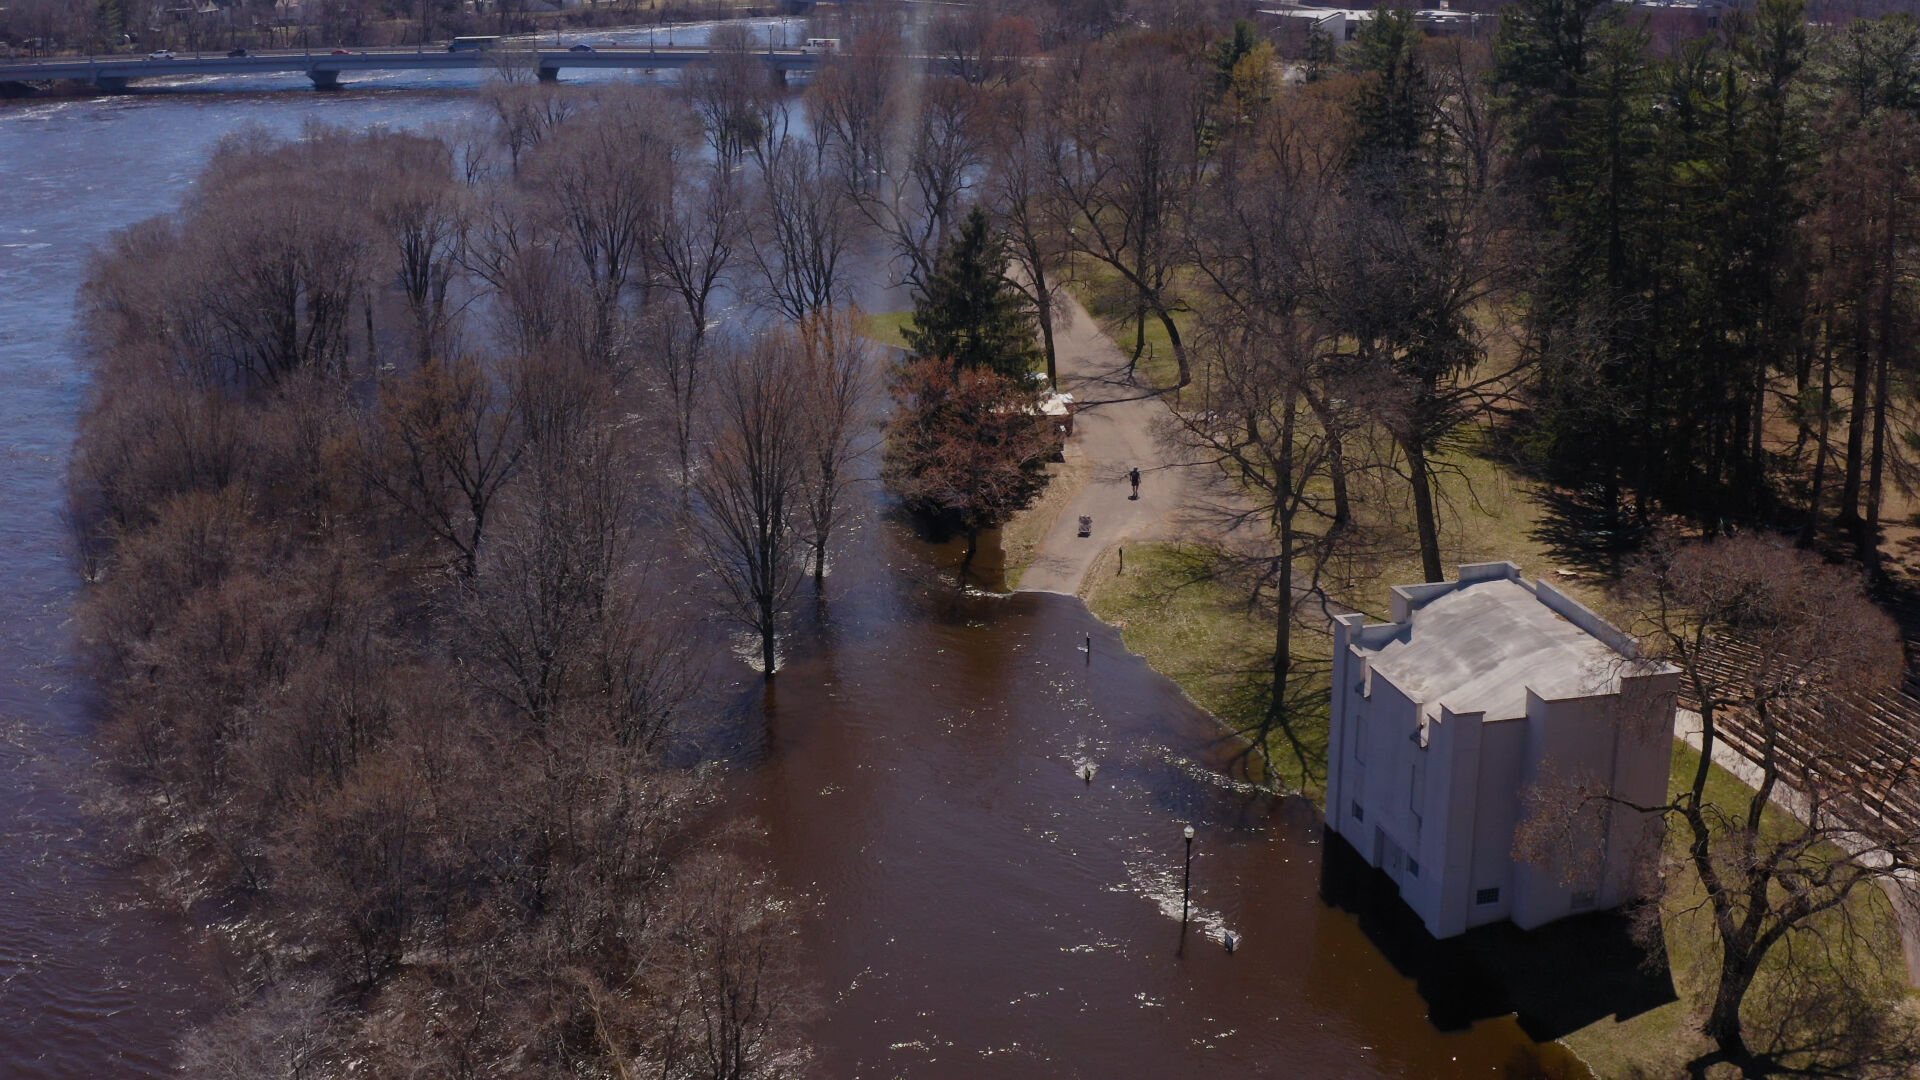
<point x="1482" y="646"/>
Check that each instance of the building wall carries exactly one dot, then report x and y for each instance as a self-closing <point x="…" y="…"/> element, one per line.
<point x="1495" y="813"/>
<point x="1440" y="800"/>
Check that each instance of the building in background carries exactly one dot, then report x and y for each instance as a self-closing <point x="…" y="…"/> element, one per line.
<point x="1479" y="692"/>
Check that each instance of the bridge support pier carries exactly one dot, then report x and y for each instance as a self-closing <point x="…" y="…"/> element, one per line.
<point x="109" y="84"/>
<point x="549" y="74"/>
<point x="325" y="80"/>
<point x="779" y="76"/>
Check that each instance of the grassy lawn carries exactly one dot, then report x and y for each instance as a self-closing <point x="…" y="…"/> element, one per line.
<point x="1661" y="1041"/>
<point x="1109" y="299"/>
<point x="1179" y="610"/>
<point x="886" y="327"/>
<point x="1175" y="609"/>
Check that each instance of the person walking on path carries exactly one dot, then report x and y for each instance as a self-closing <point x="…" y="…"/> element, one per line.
<point x="1133" y="476"/>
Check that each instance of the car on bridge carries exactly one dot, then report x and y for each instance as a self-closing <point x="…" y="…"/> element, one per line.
<point x="582" y="47"/>
<point x="161" y="54"/>
<point x="235" y="54"/>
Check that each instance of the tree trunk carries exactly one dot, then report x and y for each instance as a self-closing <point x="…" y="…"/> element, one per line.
<point x="1423" y="511"/>
<point x="1283" y="511"/>
<point x="767" y="655"/>
<point x="1756" y="488"/>
<point x="1179" y="347"/>
<point x="1821" y="452"/>
<point x="1336" y="462"/>
<point x="1870" y="535"/>
<point x="1139" y="336"/>
<point x="1043" y="312"/>
<point x="1857" y="427"/>
<point x="1870" y="528"/>
<point x="1723" y="1021"/>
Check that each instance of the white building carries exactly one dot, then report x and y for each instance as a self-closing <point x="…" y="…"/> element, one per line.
<point x="1445" y="718"/>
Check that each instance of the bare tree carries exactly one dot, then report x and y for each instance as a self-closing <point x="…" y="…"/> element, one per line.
<point x="1027" y="139"/>
<point x="421" y="215"/>
<point x="750" y="494"/>
<point x="289" y="1033"/>
<point x="837" y="377"/>
<point x="445" y="443"/>
<point x="698" y="239"/>
<point x="926" y="174"/>
<point x="738" y="1004"/>
<point x="1129" y="173"/>
<point x="605" y="180"/>
<point x="1782" y="656"/>
<point x="695" y="247"/>
<point x="805" y="232"/>
<point x="853" y="100"/>
<point x="735" y="96"/>
<point x="528" y="115"/>
<point x="1412" y="295"/>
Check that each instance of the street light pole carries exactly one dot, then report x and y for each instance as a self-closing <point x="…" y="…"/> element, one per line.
<point x="1186" y="883"/>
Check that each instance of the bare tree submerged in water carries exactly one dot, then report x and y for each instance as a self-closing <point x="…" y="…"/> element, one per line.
<point x="749" y="495"/>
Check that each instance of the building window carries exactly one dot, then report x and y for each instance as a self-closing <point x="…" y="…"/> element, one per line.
<point x="1583" y="901"/>
<point x="1487" y="896"/>
<point x="1359" y="812"/>
<point x="1413" y="867"/>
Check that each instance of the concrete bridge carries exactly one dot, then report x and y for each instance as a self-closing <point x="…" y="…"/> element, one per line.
<point x="113" y="73"/>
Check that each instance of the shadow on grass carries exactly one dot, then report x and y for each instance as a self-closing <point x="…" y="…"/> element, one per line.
<point x="1579" y="529"/>
<point x="1284" y="748"/>
<point x="1556" y="979"/>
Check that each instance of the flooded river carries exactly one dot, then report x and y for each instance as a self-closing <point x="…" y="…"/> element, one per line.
<point x="976" y="906"/>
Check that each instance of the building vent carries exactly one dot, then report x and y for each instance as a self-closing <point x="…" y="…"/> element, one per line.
<point x="1487" y="896"/>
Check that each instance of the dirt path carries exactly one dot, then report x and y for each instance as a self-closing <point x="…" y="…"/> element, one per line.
<point x="1113" y="432"/>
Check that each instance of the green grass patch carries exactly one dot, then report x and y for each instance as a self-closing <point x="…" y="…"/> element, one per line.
<point x="887" y="327"/>
<point x="1863" y="937"/>
<point x="1178" y="608"/>
<point x="1109" y="299"/>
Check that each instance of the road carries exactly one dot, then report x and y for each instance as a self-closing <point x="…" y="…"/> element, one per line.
<point x="325" y="66"/>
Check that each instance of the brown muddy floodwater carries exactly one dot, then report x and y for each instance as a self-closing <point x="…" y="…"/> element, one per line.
<point x="976" y="909"/>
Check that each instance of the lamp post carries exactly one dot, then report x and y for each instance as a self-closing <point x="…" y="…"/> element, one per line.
<point x="1186" y="883"/>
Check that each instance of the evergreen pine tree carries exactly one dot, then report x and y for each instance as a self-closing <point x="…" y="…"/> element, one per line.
<point x="1395" y="111"/>
<point x="969" y="313"/>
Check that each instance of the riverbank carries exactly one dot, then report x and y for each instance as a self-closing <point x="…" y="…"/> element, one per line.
<point x="1157" y="580"/>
